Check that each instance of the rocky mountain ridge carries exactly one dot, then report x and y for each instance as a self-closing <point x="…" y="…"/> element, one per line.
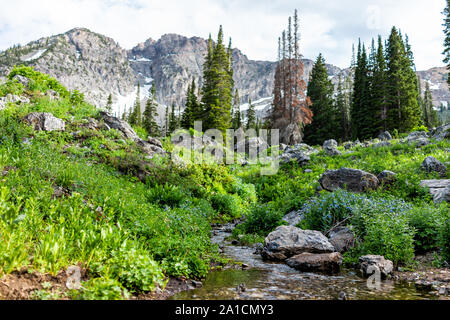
<point x="97" y="65"/>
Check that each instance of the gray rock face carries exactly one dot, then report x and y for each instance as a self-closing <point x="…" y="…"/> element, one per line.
<point x="372" y="263"/>
<point x="329" y="263"/>
<point x="443" y="195"/>
<point x="442" y="132"/>
<point x="293" y="218"/>
<point x="299" y="153"/>
<point x="21" y="79"/>
<point x="351" y="179"/>
<point x="288" y="241"/>
<point x="44" y="122"/>
<point x="431" y="164"/>
<point x="385" y="136"/>
<point x="386" y="177"/>
<point x="330" y="148"/>
<point x="438" y="189"/>
<point x="342" y="239"/>
<point x="120" y="125"/>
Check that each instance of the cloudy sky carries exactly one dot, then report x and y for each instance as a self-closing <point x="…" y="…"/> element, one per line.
<point x="327" y="26"/>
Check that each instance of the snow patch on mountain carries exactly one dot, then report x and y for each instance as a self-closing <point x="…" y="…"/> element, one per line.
<point x="35" y="55"/>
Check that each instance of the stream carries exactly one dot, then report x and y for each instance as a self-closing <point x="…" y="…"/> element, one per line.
<point x="276" y="281"/>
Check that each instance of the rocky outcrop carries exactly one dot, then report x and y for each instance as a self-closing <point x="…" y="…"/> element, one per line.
<point x="342" y="239"/>
<point x="329" y="263"/>
<point x="288" y="241"/>
<point x="442" y="132"/>
<point x="385" y="136"/>
<point x="330" y="148"/>
<point x="351" y="179"/>
<point x="439" y="189"/>
<point x="431" y="164"/>
<point x="120" y="125"/>
<point x="10" y="98"/>
<point x="44" y="122"/>
<point x="419" y="138"/>
<point x="386" y="178"/>
<point x="371" y="263"/>
<point x="299" y="153"/>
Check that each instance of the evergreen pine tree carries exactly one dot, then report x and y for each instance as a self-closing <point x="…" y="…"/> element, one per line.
<point x="447" y="38"/>
<point x="251" y="116"/>
<point x="236" y="120"/>
<point x="172" y="120"/>
<point x="135" y="117"/>
<point x="109" y="104"/>
<point x="320" y="91"/>
<point x="218" y="85"/>
<point x="430" y="115"/>
<point x="150" y="114"/>
<point x="379" y="92"/>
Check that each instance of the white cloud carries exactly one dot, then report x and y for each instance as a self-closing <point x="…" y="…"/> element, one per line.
<point x="327" y="26"/>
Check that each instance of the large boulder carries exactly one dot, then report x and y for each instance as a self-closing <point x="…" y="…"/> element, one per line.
<point x="443" y="195"/>
<point x="44" y="122"/>
<point x="386" y="177"/>
<point x="149" y="148"/>
<point x="431" y="164"/>
<point x="342" y="239"/>
<point x="385" y="136"/>
<point x="442" y="132"/>
<point x="120" y="125"/>
<point x="329" y="263"/>
<point x="21" y="79"/>
<point x="330" y="148"/>
<point x="371" y="263"/>
<point x="299" y="153"/>
<point x="351" y="179"/>
<point x="288" y="241"/>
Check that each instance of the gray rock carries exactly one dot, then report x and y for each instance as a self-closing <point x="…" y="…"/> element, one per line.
<point x="308" y="171"/>
<point x="382" y="144"/>
<point x="416" y="135"/>
<point x="155" y="142"/>
<point x="90" y="124"/>
<point x="330" y="148"/>
<point x="368" y="264"/>
<point x="45" y="122"/>
<point x="288" y="241"/>
<point x="21" y="79"/>
<point x="52" y="94"/>
<point x="431" y="164"/>
<point x="299" y="153"/>
<point x="443" y="195"/>
<point x="385" y="136"/>
<point x="386" y="177"/>
<point x="420" y="142"/>
<point x="351" y="179"/>
<point x="329" y="263"/>
<point x="118" y="124"/>
<point x="342" y="239"/>
<point x="442" y="132"/>
<point x="293" y="218"/>
<point x="148" y="148"/>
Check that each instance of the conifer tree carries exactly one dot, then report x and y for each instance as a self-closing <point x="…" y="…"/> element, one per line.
<point x="150" y="114"/>
<point x="447" y="38"/>
<point x="218" y="85"/>
<point x="404" y="112"/>
<point x="193" y="110"/>
<point x="109" y="104"/>
<point x="379" y="93"/>
<point x="320" y="91"/>
<point x="166" y="122"/>
<point x="172" y="120"/>
<point x="251" y="116"/>
<point x="135" y="117"/>
<point x="430" y="115"/>
<point x="343" y="108"/>
<point x="360" y="99"/>
<point x="236" y="119"/>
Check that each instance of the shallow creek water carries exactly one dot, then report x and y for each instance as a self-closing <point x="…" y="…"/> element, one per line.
<point x="274" y="281"/>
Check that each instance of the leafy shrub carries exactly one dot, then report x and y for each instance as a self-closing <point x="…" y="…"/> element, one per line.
<point x="444" y="240"/>
<point x="135" y="269"/>
<point x="420" y="128"/>
<point x="76" y="97"/>
<point x="226" y="205"/>
<point x="166" y="195"/>
<point x="262" y="220"/>
<point x="39" y="81"/>
<point x="11" y="87"/>
<point x="100" y="289"/>
<point x="427" y="222"/>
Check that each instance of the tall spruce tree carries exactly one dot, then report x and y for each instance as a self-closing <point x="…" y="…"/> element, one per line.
<point x="135" y="117"/>
<point x="361" y="95"/>
<point x="379" y="92"/>
<point x="109" y="103"/>
<point x="320" y="91"/>
<point x="193" y="110"/>
<point x="251" y="116"/>
<point x="172" y="119"/>
<point x="430" y="117"/>
<point x="151" y="113"/>
<point x="218" y="85"/>
<point x="343" y="108"/>
<point x="403" y="112"/>
<point x="236" y="120"/>
<point x="447" y="38"/>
